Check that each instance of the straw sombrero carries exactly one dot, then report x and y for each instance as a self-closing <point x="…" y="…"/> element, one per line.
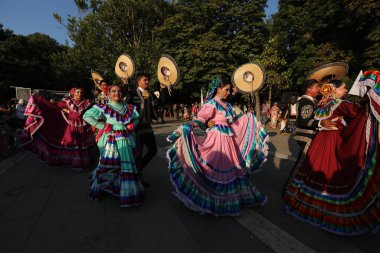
<point x="167" y="70"/>
<point x="330" y="71"/>
<point x="248" y="77"/>
<point x="124" y="67"/>
<point x="97" y="79"/>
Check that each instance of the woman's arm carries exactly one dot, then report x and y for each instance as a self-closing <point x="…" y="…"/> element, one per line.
<point x="93" y="116"/>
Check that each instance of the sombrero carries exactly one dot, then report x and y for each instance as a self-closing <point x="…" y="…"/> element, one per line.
<point x="124" y="67"/>
<point x="97" y="79"/>
<point x="167" y="70"/>
<point x="330" y="71"/>
<point x="248" y="77"/>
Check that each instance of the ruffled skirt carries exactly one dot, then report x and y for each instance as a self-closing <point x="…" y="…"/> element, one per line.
<point x="211" y="175"/>
<point x="49" y="136"/>
<point x="353" y="206"/>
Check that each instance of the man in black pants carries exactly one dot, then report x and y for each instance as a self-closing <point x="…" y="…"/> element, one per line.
<point x="146" y="103"/>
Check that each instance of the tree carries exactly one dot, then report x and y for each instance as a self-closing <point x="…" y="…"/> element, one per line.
<point x="212" y="38"/>
<point x="277" y="72"/>
<point x="5" y="33"/>
<point x="313" y="32"/>
<point x="110" y="28"/>
<point x="26" y="61"/>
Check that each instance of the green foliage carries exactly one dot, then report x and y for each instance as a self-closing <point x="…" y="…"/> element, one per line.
<point x="212" y="38"/>
<point x="313" y="32"/>
<point x="207" y="39"/>
<point x="5" y="34"/>
<point x="110" y="28"/>
<point x="26" y="61"/>
<point x="277" y="72"/>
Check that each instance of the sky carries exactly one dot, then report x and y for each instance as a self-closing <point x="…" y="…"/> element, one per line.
<point x="30" y="16"/>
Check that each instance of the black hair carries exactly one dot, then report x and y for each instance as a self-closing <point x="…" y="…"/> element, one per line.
<point x="223" y="83"/>
<point x="141" y="75"/>
<point x="113" y="85"/>
<point x="308" y="84"/>
<point x="336" y="83"/>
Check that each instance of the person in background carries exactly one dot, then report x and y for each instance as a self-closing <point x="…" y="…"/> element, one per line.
<point x="146" y="103"/>
<point x="102" y="97"/>
<point x="20" y="109"/>
<point x="284" y="117"/>
<point x="264" y="113"/>
<point x="274" y="112"/>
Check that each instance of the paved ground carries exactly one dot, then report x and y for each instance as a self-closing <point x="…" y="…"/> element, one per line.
<point x="45" y="209"/>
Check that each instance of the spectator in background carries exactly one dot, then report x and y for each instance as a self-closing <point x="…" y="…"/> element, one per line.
<point x="53" y="101"/>
<point x="264" y="113"/>
<point x="274" y="111"/>
<point x="284" y="117"/>
<point x="20" y="109"/>
<point x="194" y="110"/>
<point x="245" y="108"/>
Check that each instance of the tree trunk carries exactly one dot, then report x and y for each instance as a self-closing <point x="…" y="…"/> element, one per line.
<point x="270" y="95"/>
<point x="257" y="107"/>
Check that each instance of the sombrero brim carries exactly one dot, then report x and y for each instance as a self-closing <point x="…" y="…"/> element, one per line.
<point x="124" y="67"/>
<point x="97" y="78"/>
<point x="168" y="63"/>
<point x="245" y="85"/>
<point x="335" y="71"/>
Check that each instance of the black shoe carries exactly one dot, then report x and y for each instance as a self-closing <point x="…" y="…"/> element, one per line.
<point x="145" y="183"/>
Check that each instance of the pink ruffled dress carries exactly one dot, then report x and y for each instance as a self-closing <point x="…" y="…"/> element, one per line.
<point x="210" y="175"/>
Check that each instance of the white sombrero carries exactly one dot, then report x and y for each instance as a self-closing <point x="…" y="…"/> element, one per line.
<point x="248" y="77"/>
<point x="330" y="71"/>
<point x="167" y="70"/>
<point x="97" y="79"/>
<point x="124" y="67"/>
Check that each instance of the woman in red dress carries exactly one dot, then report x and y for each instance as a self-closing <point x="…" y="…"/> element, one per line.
<point x="334" y="189"/>
<point x="57" y="133"/>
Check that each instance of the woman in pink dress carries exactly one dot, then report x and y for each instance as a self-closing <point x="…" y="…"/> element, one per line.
<point x="337" y="187"/>
<point x="274" y="111"/>
<point x="57" y="133"/>
<point x="211" y="175"/>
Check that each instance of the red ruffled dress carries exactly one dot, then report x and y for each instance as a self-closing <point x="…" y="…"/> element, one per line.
<point x="337" y="186"/>
<point x="56" y="136"/>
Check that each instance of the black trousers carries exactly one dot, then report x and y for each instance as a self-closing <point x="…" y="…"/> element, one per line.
<point x="294" y="170"/>
<point x="145" y="137"/>
<point x="160" y="115"/>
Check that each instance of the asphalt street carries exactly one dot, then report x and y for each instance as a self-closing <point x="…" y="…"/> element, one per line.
<point x="45" y="209"/>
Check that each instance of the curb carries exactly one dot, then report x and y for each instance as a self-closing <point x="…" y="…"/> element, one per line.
<point x="12" y="161"/>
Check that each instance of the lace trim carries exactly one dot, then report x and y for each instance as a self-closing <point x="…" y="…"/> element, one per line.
<point x="124" y="116"/>
<point x="326" y="111"/>
<point x="78" y="108"/>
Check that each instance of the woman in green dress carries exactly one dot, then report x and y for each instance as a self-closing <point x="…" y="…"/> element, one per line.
<point x="116" y="172"/>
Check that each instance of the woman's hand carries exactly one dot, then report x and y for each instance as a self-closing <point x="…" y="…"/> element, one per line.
<point x="174" y="136"/>
<point x="322" y="102"/>
<point x="130" y="127"/>
<point x="107" y="128"/>
<point x="210" y="124"/>
<point x="328" y="124"/>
